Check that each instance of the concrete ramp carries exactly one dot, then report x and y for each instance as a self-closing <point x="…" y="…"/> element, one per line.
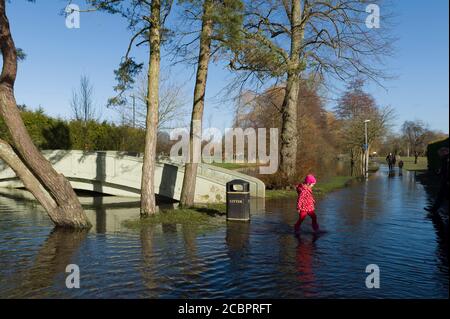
<point x="119" y="174"/>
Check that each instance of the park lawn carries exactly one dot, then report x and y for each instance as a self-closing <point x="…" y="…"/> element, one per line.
<point x="422" y="163"/>
<point x="320" y="190"/>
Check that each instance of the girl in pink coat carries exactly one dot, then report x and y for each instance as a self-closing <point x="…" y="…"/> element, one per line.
<point x="305" y="203"/>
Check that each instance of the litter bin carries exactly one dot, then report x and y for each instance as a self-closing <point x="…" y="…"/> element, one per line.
<point x="238" y="200"/>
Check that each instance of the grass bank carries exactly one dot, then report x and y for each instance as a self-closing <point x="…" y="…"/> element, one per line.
<point x="233" y="166"/>
<point x="320" y="190"/>
<point x="206" y="216"/>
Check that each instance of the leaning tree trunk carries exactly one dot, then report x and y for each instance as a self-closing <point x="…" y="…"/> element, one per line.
<point x="55" y="184"/>
<point x="148" y="204"/>
<point x="289" y="133"/>
<point x="195" y="135"/>
<point x="30" y="182"/>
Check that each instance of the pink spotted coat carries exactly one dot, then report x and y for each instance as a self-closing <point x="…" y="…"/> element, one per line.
<point x="305" y="199"/>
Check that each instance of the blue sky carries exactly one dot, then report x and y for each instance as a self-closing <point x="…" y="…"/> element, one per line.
<point x="57" y="56"/>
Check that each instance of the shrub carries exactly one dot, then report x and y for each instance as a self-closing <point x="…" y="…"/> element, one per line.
<point x="434" y="162"/>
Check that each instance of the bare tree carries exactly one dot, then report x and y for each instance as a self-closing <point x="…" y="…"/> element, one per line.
<point x="399" y="143"/>
<point x="52" y="189"/>
<point x="172" y="110"/>
<point x="355" y="107"/>
<point x="415" y="133"/>
<point x="82" y="103"/>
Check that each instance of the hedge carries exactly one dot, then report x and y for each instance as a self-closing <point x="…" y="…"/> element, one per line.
<point x="53" y="133"/>
<point x="434" y="161"/>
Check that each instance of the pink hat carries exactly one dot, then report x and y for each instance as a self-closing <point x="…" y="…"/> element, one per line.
<point x="310" y="179"/>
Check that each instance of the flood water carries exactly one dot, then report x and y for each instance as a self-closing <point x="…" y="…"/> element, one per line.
<point x="380" y="221"/>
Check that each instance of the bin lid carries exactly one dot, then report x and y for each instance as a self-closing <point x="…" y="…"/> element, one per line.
<point x="238" y="182"/>
<point x="243" y="186"/>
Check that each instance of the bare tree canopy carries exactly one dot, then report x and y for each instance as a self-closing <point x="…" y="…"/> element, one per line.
<point x="82" y="102"/>
<point x="333" y="39"/>
<point x="417" y="136"/>
<point x="355" y="102"/>
<point x="172" y="108"/>
<point x="354" y="108"/>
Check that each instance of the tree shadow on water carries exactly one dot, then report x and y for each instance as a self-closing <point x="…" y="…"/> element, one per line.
<point x="100" y="177"/>
<point x="57" y="252"/>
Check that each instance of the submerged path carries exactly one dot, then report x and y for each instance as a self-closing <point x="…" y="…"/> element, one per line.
<point x="380" y="221"/>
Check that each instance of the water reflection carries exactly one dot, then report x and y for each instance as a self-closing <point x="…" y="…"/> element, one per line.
<point x="237" y="239"/>
<point x="305" y="264"/>
<point x="441" y="228"/>
<point x="49" y="265"/>
<point x="195" y="268"/>
<point x="439" y="218"/>
<point x="149" y="261"/>
<point x="100" y="215"/>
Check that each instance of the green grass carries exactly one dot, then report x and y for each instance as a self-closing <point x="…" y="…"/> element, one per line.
<point x="373" y="167"/>
<point x="321" y="188"/>
<point x="280" y="193"/>
<point x="204" y="216"/>
<point x="234" y="165"/>
<point x="422" y="163"/>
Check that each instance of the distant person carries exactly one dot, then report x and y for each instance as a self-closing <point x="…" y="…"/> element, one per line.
<point x="305" y="203"/>
<point x="390" y="159"/>
<point x="444" y="184"/>
<point x="400" y="166"/>
<point x="352" y="165"/>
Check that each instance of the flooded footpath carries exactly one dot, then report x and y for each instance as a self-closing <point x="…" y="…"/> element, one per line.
<point x="380" y="221"/>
